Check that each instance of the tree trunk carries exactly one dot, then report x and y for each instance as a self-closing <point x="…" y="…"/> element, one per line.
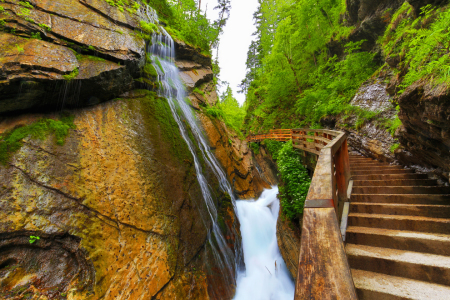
<point x="295" y="73"/>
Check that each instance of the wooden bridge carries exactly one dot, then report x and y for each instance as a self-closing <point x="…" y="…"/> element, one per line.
<point x="395" y="223"/>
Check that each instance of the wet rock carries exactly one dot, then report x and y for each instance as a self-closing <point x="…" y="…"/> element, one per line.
<point x="371" y="138"/>
<point x="418" y="4"/>
<point x="58" y="71"/>
<point x="122" y="188"/>
<point x="424" y="112"/>
<point x="185" y="52"/>
<point x="49" y="265"/>
<point x="289" y="239"/>
<point x="370" y="18"/>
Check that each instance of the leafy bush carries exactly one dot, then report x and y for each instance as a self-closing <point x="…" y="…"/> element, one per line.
<point x="394" y="147"/>
<point x="419" y="44"/>
<point x="273" y="147"/>
<point x="255" y="148"/>
<point x="214" y="112"/>
<point x="295" y="181"/>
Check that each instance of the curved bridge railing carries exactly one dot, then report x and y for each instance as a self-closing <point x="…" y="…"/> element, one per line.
<point x="323" y="271"/>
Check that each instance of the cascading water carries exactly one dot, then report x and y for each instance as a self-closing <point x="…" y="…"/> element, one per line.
<point x="162" y="53"/>
<point x="257" y="219"/>
<point x="266" y="276"/>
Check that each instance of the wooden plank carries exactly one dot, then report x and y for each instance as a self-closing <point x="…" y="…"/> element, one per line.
<point x="311" y="150"/>
<point x="330" y="132"/>
<point x="323" y="271"/>
<point x="309" y="145"/>
<point x="319" y="138"/>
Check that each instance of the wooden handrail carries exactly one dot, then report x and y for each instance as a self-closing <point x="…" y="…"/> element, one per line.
<point x="323" y="271"/>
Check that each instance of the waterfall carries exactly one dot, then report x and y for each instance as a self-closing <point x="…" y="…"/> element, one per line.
<point x="266" y="276"/>
<point x="162" y="53"/>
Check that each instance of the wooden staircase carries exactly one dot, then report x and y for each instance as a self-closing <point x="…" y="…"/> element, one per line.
<point x="398" y="235"/>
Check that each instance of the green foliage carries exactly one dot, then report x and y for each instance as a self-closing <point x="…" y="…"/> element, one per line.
<point x="233" y="114"/>
<point x="46" y="27"/>
<point x="26" y="4"/>
<point x="129" y="5"/>
<point x="24" y="12"/>
<point x="19" y="49"/>
<point x="273" y="147"/>
<point x="148" y="27"/>
<point x="419" y="44"/>
<point x="291" y="80"/>
<point x="198" y="91"/>
<point x="11" y="141"/>
<point x="150" y="70"/>
<point x="394" y="147"/>
<point x="2" y="9"/>
<point x="36" y="35"/>
<point x="393" y="125"/>
<point x="214" y="112"/>
<point x="89" y="57"/>
<point x="72" y="75"/>
<point x="295" y="181"/>
<point x="33" y="239"/>
<point x="158" y="63"/>
<point x="255" y="148"/>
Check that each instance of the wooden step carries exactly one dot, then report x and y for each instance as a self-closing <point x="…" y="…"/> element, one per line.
<point x="376" y="168"/>
<point x="390" y="176"/>
<point x="376" y="286"/>
<point x="410" y="223"/>
<point x="401" y="190"/>
<point x="368" y="164"/>
<point x="424" y="210"/>
<point x="407" y="264"/>
<point x="439" y="199"/>
<point x="399" y="239"/>
<point x="396" y="182"/>
<point x="381" y="172"/>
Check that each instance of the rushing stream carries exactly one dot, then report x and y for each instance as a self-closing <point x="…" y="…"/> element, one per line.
<point x="257" y="221"/>
<point x="266" y="276"/>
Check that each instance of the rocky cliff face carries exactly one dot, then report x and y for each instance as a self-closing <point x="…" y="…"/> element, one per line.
<point x="115" y="210"/>
<point x="113" y="198"/>
<point x="421" y="141"/>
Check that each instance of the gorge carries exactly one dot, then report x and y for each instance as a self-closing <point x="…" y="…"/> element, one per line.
<point x="125" y="175"/>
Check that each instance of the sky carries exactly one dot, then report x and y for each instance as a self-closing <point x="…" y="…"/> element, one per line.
<point x="234" y="42"/>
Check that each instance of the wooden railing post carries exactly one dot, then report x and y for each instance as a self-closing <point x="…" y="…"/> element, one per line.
<point x="342" y="176"/>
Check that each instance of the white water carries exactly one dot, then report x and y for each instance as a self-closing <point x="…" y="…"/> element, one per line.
<point x="266" y="276"/>
<point x="262" y="279"/>
<point x="162" y="53"/>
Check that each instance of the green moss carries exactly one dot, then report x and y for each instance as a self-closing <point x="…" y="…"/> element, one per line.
<point x="11" y="141"/>
<point x="46" y="27"/>
<point x="197" y="90"/>
<point x="394" y="147"/>
<point x="122" y="5"/>
<point x="157" y="115"/>
<point x="91" y="58"/>
<point x="26" y="4"/>
<point x="72" y="75"/>
<point x="158" y="63"/>
<point x="150" y="70"/>
<point x="148" y="27"/>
